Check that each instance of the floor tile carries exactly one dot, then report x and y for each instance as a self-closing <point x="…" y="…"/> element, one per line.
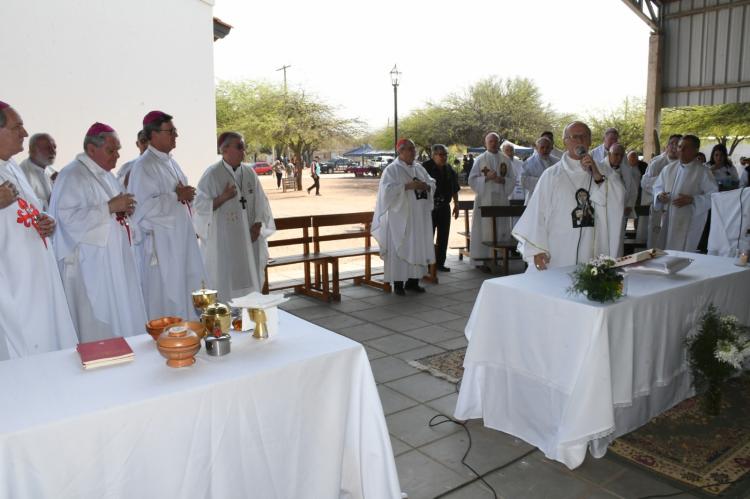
<point x="388" y="368"/>
<point x="530" y="478"/>
<point x="403" y="323"/>
<point x="385" y="299"/>
<point x="444" y="290"/>
<point x="395" y="343"/>
<point x="444" y="405"/>
<point x="393" y="401"/>
<point x="599" y="471"/>
<point x="314" y="312"/>
<point x="349" y="305"/>
<point x="454" y="344"/>
<point x="373" y="354"/>
<point x="423" y="478"/>
<point x="457" y="325"/>
<point x="423" y="387"/>
<point x="364" y="332"/>
<point x="360" y="291"/>
<point x="399" y="447"/>
<point x="463" y="308"/>
<point x="433" y="334"/>
<point x="411" y="426"/>
<point x="634" y="484"/>
<point x="419" y="353"/>
<point x="374" y="314"/>
<point x="436" y="316"/>
<point x="476" y="490"/>
<point x="336" y="322"/>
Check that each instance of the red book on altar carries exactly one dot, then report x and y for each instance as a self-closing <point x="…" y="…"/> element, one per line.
<point x="105" y="352"/>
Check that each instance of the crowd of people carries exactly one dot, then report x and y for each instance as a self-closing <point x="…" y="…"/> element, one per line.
<point x="578" y="200"/>
<point x="90" y="255"/>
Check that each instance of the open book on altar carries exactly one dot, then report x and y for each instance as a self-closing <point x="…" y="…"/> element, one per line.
<point x="105" y="352"/>
<point x="653" y="261"/>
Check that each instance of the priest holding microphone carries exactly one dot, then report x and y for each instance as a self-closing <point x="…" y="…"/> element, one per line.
<point x="575" y="212"/>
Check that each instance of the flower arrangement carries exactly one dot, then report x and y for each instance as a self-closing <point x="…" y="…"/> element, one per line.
<point x="715" y="353"/>
<point x="598" y="280"/>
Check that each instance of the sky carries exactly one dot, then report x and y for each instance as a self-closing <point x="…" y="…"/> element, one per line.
<point x="585" y="56"/>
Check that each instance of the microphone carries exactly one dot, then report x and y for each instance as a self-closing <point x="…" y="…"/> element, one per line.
<point x="580" y="150"/>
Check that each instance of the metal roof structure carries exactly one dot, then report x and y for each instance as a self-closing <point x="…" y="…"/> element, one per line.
<point x="699" y="54"/>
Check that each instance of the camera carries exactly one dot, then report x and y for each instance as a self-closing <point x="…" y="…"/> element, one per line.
<point x="420" y="194"/>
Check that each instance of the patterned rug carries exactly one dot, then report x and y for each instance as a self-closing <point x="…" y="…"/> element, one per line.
<point x="683" y="443"/>
<point x="686" y="445"/>
<point x="447" y="365"/>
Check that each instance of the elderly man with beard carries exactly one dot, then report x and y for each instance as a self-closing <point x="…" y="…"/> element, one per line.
<point x="402" y="222"/>
<point x="34" y="316"/>
<point x="38" y="166"/>
<point x="94" y="241"/>
<point x="575" y="213"/>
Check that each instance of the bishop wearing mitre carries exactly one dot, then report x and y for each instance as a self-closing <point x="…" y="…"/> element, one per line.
<point x="94" y="241"/>
<point x="233" y="220"/>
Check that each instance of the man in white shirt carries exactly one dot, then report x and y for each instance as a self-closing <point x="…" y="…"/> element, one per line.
<point x="233" y="220"/>
<point x="611" y="136"/>
<point x="167" y="252"/>
<point x="555" y="153"/>
<point x="614" y="165"/>
<point x="535" y="165"/>
<point x="38" y="166"/>
<point x="34" y="316"/>
<point x="684" y="197"/>
<point x="123" y="173"/>
<point x="575" y="212"/>
<point x="93" y="241"/>
<point x="402" y="221"/>
<point x="655" y="237"/>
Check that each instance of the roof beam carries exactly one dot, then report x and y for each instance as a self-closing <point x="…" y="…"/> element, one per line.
<point x="651" y="15"/>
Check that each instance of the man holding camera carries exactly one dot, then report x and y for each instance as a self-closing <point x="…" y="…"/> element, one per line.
<point x="446" y="189"/>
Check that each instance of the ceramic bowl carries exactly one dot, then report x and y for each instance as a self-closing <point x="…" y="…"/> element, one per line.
<point x="157" y="326"/>
<point x="179" y="344"/>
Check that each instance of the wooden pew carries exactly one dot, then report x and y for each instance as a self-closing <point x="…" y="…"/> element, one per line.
<point x="302" y="224"/>
<point x="632" y="243"/>
<point x="344" y="223"/>
<point x="505" y="245"/>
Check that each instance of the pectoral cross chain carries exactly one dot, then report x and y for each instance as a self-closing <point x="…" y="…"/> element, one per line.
<point x="243" y="202"/>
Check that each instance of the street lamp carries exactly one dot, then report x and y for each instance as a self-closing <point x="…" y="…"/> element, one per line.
<point x="394" y="81"/>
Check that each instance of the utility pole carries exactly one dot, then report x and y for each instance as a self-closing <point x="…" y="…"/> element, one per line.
<point x="284" y="68"/>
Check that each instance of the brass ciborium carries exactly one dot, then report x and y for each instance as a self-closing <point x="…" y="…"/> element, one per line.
<point x="258" y="315"/>
<point x="203" y="297"/>
<point x="217" y="314"/>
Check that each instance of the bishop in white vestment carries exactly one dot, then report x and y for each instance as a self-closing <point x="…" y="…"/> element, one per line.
<point x="233" y="220"/>
<point x="402" y="222"/>
<point x="492" y="179"/>
<point x="93" y="242"/>
<point x="575" y="213"/>
<point x="34" y="315"/>
<point x="167" y="252"/>
<point x="38" y="166"/>
<point x="683" y="197"/>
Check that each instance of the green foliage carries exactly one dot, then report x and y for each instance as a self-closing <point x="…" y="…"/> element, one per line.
<point x="271" y="118"/>
<point x="729" y="123"/>
<point x="597" y="280"/>
<point x="629" y="119"/>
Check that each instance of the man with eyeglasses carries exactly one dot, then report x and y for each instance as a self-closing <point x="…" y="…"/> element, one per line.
<point x="123" y="173"/>
<point x="575" y="213"/>
<point x="233" y="220"/>
<point x="167" y="252"/>
<point x="446" y="189"/>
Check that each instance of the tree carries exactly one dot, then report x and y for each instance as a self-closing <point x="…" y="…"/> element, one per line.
<point x="629" y="119"/>
<point x="728" y="123"/>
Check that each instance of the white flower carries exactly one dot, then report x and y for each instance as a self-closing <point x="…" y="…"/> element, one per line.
<point x="727" y="352"/>
<point x="594" y="271"/>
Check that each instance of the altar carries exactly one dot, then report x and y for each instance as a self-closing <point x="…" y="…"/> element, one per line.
<point x="566" y="374"/>
<point x="294" y="416"/>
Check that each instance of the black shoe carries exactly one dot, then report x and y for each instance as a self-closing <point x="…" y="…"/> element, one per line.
<point x="398" y="288"/>
<point x="413" y="285"/>
<point x="443" y="268"/>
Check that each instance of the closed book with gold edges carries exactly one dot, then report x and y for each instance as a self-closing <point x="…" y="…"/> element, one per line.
<point x="105" y="352"/>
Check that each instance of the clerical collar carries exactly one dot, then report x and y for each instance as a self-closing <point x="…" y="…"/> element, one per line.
<point x="161" y="155"/>
<point x="230" y="166"/>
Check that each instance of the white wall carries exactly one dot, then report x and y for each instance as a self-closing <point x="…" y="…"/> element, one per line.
<point x="65" y="64"/>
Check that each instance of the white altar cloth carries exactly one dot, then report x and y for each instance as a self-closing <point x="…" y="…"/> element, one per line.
<point x="297" y="416"/>
<point x="562" y="372"/>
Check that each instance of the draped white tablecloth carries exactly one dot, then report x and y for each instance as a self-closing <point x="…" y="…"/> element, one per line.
<point x="297" y="416"/>
<point x="562" y="372"/>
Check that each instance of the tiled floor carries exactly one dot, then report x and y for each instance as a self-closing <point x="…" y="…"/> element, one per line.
<point x="397" y="329"/>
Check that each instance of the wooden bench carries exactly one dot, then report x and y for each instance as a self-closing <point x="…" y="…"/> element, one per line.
<point x="288" y="184"/>
<point x="632" y="243"/>
<point x="366" y="249"/>
<point x="504" y="245"/>
<point x="302" y="224"/>
<point x="467" y="207"/>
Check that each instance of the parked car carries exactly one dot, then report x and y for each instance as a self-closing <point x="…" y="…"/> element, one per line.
<point x="334" y="165"/>
<point x="263" y="168"/>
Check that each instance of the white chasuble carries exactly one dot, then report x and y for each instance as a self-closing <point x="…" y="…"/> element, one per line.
<point x="402" y="222"/>
<point x="490" y="193"/>
<point x="682" y="227"/>
<point x="34" y="316"/>
<point x="234" y="263"/>
<point x="570" y="217"/>
<point x="40" y="180"/>
<point x="95" y="253"/>
<point x="167" y="253"/>
<point x="533" y="168"/>
<point x="655" y="238"/>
